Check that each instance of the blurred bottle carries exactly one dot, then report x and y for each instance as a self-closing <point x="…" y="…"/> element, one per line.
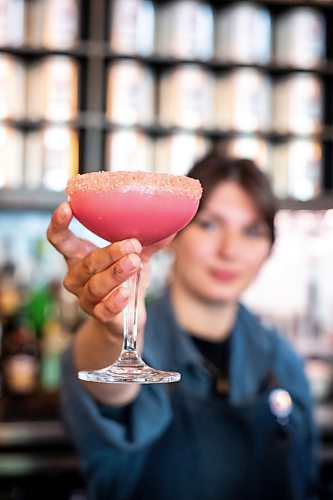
<point x="2" y="399"/>
<point x="10" y="298"/>
<point x="51" y="157"/>
<point x="186" y="97"/>
<point x="251" y="148"/>
<point x="53" y="24"/>
<point x="297" y="169"/>
<point x="185" y="30"/>
<point x="132" y="27"/>
<point x="297" y="104"/>
<point x="11" y="157"/>
<point x="243" y="101"/>
<point x="42" y="305"/>
<point x="50" y="319"/>
<point x="53" y="89"/>
<point x="19" y="358"/>
<point x="129" y="150"/>
<point x="19" y="350"/>
<point x="12" y="22"/>
<point x="54" y="340"/>
<point x="12" y="88"/>
<point x="300" y="35"/>
<point x="243" y="34"/>
<point x="176" y="153"/>
<point x="130" y="93"/>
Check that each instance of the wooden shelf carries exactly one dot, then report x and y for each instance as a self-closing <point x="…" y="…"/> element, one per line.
<point x="24" y="199"/>
<point x="83" y="49"/>
<point x="45" y="200"/>
<point x="322" y="4"/>
<point x="324" y="202"/>
<point x="156" y="130"/>
<point x="156" y="61"/>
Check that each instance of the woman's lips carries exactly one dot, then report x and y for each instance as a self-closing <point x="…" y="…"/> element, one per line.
<point x="222" y="275"/>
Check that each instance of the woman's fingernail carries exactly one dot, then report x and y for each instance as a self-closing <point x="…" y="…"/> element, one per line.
<point x="131" y="262"/>
<point x="122" y="294"/>
<point x="132" y="245"/>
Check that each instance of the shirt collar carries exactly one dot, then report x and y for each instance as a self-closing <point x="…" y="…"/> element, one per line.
<point x="250" y="357"/>
<point x="185" y="352"/>
<point x="248" y="351"/>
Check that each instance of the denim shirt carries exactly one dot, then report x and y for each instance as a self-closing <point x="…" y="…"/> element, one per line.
<point x="180" y="441"/>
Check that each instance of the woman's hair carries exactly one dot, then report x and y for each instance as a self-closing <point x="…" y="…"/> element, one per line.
<point x="213" y="169"/>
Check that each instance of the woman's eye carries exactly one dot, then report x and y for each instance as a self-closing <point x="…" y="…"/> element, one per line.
<point x="208" y="225"/>
<point x="256" y="231"/>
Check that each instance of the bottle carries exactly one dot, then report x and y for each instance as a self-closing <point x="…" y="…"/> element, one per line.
<point x="54" y="340"/>
<point x="18" y="349"/>
<point x="40" y="305"/>
<point x="19" y="358"/>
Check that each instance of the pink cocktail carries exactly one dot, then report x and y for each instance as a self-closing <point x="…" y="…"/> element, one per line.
<point x="146" y="206"/>
<point x="120" y="205"/>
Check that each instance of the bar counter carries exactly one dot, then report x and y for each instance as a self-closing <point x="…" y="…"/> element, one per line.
<point x="38" y="459"/>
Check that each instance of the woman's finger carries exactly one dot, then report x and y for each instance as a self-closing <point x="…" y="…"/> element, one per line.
<point x="108" y="310"/>
<point x="62" y="238"/>
<point x="100" y="285"/>
<point x="119" y="257"/>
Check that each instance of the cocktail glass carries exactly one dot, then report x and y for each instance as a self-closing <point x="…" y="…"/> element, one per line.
<point x="142" y="205"/>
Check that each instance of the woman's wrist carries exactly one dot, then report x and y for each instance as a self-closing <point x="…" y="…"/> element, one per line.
<point x="95" y="347"/>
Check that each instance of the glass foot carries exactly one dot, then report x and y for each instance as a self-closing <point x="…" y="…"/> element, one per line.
<point x="129" y="370"/>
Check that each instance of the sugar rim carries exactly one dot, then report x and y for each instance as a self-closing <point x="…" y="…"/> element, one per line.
<point x="103" y="181"/>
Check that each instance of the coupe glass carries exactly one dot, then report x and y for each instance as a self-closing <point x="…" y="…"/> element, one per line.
<point x="142" y="205"/>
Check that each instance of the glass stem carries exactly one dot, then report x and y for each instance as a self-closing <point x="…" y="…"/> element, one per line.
<point x="131" y="316"/>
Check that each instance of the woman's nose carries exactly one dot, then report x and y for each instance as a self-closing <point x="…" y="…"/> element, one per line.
<point x="229" y="244"/>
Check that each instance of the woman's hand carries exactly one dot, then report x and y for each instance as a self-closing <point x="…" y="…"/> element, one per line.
<point x="96" y="275"/>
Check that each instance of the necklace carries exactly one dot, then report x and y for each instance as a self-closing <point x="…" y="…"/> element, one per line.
<point x="221" y="383"/>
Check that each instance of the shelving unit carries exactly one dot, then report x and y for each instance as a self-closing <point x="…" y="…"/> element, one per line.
<point x="93" y="55"/>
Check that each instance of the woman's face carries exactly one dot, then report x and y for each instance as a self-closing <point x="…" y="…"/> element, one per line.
<point x="219" y="254"/>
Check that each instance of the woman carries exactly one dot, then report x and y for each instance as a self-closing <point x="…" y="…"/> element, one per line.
<point x="218" y="433"/>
